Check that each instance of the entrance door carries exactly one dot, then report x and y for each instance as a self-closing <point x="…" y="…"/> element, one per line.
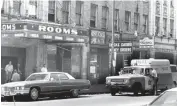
<point x="4" y="61"/>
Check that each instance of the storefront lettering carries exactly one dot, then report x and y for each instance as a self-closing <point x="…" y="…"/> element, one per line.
<point x="97" y="41"/>
<point x="19" y="35"/>
<point x="147" y="41"/>
<point x="98" y="34"/>
<point x="57" y="30"/>
<point x="47" y="37"/>
<point x="8" y="27"/>
<point x="34" y="35"/>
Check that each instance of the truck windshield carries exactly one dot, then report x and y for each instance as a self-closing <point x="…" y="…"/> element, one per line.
<point x="132" y="70"/>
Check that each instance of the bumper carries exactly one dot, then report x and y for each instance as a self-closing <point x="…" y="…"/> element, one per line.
<point x="121" y="87"/>
<point x="15" y="93"/>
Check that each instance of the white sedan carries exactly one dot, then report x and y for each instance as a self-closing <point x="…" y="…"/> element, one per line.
<point x="168" y="98"/>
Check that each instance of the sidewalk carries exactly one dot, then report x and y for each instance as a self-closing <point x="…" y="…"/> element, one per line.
<point x="95" y="89"/>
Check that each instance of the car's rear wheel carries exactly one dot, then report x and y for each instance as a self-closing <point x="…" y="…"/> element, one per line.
<point x="34" y="94"/>
<point x="75" y="93"/>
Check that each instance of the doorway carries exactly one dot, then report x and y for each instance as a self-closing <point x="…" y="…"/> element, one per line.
<point x="4" y="61"/>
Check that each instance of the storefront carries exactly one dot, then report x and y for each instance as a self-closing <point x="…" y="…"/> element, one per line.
<point x="99" y="64"/>
<point x="33" y="43"/>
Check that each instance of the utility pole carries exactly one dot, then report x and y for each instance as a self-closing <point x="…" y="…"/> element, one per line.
<point x="112" y="41"/>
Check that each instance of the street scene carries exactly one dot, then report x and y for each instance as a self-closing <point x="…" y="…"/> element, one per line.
<point x="82" y="53"/>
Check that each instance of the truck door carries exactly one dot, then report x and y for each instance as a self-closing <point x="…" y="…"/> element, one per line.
<point x="148" y="80"/>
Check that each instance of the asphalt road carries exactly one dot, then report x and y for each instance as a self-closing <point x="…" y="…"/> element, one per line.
<point x="88" y="100"/>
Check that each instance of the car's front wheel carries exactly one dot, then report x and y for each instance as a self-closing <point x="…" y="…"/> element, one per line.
<point x="34" y="94"/>
<point x="113" y="92"/>
<point x="75" y="93"/>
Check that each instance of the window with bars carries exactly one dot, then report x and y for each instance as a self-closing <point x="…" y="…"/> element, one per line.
<point x="104" y="16"/>
<point x="65" y="12"/>
<point x="79" y="10"/>
<point x="157" y="20"/>
<point x="136" y="21"/>
<point x="16" y="7"/>
<point x="164" y="26"/>
<point x="127" y="20"/>
<point x="116" y="19"/>
<point x="51" y="13"/>
<point x="145" y="20"/>
<point x="93" y="15"/>
<point x="171" y="27"/>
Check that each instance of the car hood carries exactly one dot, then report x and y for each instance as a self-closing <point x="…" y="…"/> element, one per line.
<point x="20" y="83"/>
<point x="127" y="76"/>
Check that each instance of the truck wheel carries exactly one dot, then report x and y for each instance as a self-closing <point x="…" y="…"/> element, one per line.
<point x="113" y="92"/>
<point x="143" y="93"/>
<point x="136" y="88"/>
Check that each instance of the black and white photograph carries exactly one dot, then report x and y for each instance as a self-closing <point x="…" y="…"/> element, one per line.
<point x="88" y="52"/>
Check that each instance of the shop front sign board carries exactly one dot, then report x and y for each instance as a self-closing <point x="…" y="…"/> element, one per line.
<point x="121" y="47"/>
<point x="97" y="37"/>
<point x="146" y="43"/>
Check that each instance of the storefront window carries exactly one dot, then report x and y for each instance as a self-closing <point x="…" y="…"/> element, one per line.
<point x="51" y="57"/>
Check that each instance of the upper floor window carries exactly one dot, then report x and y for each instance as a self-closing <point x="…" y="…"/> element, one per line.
<point x="157" y="7"/>
<point x="51" y="14"/>
<point x="2" y="9"/>
<point x="116" y="19"/>
<point x="157" y="24"/>
<point x="171" y="27"/>
<point x="172" y="3"/>
<point x="165" y="3"/>
<point x="136" y="21"/>
<point x="32" y="9"/>
<point x="164" y="26"/>
<point x="16" y="7"/>
<point x="104" y="16"/>
<point x="145" y="21"/>
<point x="79" y="11"/>
<point x="93" y="16"/>
<point x="127" y="20"/>
<point x="65" y="12"/>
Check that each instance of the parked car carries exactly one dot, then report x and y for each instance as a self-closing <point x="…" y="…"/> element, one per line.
<point x="45" y="84"/>
<point x="168" y="98"/>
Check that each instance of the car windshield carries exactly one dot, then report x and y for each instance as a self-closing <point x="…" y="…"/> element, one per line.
<point x="35" y="77"/>
<point x="169" y="98"/>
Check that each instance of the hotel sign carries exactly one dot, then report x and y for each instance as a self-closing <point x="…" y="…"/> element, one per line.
<point x="58" y="29"/>
<point x="146" y="43"/>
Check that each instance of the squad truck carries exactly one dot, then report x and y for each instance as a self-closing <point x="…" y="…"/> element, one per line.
<point x="137" y="77"/>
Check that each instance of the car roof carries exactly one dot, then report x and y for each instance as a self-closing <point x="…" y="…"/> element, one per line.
<point x="173" y="89"/>
<point x="49" y="72"/>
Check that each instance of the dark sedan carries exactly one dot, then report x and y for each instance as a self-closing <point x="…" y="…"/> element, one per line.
<point x="45" y="84"/>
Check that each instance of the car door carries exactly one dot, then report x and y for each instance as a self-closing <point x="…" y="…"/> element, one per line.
<point x="66" y="83"/>
<point x="148" y="79"/>
<point x="55" y="83"/>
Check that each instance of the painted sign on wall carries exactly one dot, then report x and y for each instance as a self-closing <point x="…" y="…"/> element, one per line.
<point x="97" y="37"/>
<point x="146" y="43"/>
<point x="122" y="47"/>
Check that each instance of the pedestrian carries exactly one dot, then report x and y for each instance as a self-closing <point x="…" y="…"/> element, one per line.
<point x="9" y="70"/>
<point x="155" y="79"/>
<point x="44" y="68"/>
<point x="35" y="69"/>
<point x="15" y="76"/>
<point x="19" y="70"/>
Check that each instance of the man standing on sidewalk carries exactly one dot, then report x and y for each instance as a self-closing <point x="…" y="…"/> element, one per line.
<point x="155" y="78"/>
<point x="44" y="68"/>
<point x="9" y="70"/>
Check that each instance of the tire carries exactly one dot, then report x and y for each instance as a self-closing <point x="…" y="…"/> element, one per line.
<point x="113" y="92"/>
<point x="34" y="94"/>
<point x="136" y="89"/>
<point x="75" y="93"/>
<point x="143" y="93"/>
